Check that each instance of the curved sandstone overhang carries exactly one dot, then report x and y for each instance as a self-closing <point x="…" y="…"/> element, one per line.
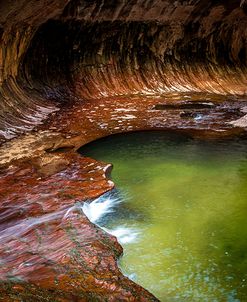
<point x="53" y="51"/>
<point x="74" y="71"/>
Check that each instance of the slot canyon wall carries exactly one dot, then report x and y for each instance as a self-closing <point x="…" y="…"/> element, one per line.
<point x="72" y="71"/>
<point x="52" y="51"/>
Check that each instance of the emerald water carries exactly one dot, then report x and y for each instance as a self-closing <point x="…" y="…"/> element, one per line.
<point x="179" y="211"/>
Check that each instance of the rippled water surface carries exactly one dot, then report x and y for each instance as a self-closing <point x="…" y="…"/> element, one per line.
<point x="182" y="219"/>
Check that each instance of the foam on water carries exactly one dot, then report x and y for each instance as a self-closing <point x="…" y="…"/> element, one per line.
<point x="123" y="234"/>
<point x="101" y="206"/>
<point x="97" y="210"/>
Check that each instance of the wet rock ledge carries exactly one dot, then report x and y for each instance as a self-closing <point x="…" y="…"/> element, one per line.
<point x="72" y="71"/>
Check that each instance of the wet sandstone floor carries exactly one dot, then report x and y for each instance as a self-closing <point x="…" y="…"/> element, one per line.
<point x="181" y="218"/>
<point x="50" y="251"/>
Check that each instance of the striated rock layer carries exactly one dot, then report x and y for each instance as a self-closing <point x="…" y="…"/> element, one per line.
<point x="51" y="51"/>
<point x="105" y="67"/>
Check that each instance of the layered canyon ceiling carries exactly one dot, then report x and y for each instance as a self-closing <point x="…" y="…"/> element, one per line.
<point x="54" y="51"/>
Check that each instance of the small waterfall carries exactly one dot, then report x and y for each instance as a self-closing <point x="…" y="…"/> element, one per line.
<point x="97" y="210"/>
<point x="101" y="206"/>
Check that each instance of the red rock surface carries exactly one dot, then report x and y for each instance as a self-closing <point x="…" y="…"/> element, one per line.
<point x="50" y="250"/>
<point x="108" y="67"/>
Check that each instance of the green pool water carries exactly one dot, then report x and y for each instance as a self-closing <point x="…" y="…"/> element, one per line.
<point x="182" y="218"/>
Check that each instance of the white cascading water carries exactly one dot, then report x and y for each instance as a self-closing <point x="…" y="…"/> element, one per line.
<point x="105" y="204"/>
<point x="95" y="211"/>
<point x="99" y="207"/>
<point x="123" y="234"/>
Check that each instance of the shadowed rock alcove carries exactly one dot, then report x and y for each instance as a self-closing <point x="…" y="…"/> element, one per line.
<point x="52" y="52"/>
